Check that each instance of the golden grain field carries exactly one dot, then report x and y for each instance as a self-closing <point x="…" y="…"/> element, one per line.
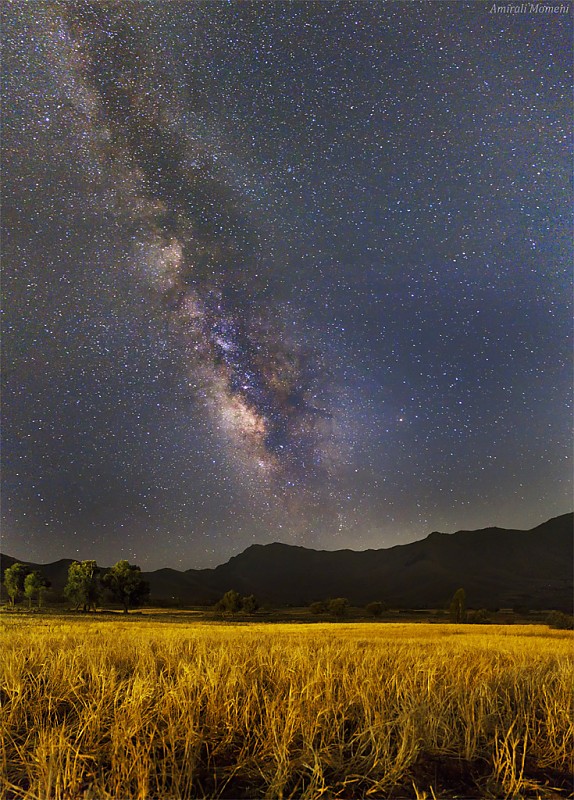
<point x="140" y="708"/>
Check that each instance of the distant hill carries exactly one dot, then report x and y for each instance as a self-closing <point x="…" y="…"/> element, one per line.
<point x="496" y="566"/>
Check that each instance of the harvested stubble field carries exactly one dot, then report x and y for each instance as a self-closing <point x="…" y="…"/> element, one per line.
<point x="94" y="708"/>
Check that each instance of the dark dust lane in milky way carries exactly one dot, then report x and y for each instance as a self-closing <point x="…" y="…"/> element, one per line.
<point x="261" y="387"/>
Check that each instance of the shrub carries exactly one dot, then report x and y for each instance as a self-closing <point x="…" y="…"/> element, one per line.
<point x="230" y="602"/>
<point x="479" y="617"/>
<point x="560" y="621"/>
<point x="375" y="609"/>
<point x="319" y="607"/>
<point x="338" y="606"/>
<point x="249" y="604"/>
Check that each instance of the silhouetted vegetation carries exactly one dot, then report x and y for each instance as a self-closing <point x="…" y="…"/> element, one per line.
<point x="560" y="621"/>
<point x="230" y="602"/>
<point x="375" y="609"/>
<point x="249" y="604"/>
<point x="233" y="603"/>
<point x="479" y="617"/>
<point x="457" y="608"/>
<point x="338" y="606"/>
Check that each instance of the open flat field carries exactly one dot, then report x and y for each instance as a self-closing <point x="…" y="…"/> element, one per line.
<point x="138" y="708"/>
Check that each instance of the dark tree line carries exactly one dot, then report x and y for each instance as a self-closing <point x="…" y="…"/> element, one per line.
<point x="337" y="607"/>
<point x="232" y="602"/>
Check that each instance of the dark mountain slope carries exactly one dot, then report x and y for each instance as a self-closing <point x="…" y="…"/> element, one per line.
<point x="56" y="572"/>
<point x="497" y="567"/>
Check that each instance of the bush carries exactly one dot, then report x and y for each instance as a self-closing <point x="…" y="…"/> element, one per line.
<point x="230" y="602"/>
<point x="249" y="604"/>
<point x="375" y="609"/>
<point x="560" y="621"/>
<point x="338" y="606"/>
<point x="479" y="617"/>
<point x="319" y="607"/>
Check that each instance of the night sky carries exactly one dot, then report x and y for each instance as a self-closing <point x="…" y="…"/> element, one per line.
<point x="293" y="272"/>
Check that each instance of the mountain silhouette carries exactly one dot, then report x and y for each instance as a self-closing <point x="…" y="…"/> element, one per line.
<point x="497" y="567"/>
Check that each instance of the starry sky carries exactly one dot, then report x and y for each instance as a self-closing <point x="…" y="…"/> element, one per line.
<point x="282" y="271"/>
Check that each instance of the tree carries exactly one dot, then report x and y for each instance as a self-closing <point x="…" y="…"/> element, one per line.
<point x="249" y="604"/>
<point x="458" y="606"/>
<point x="126" y="585"/>
<point x="375" y="609"/>
<point x="230" y="602"/>
<point x="14" y="579"/>
<point x="319" y="607"/>
<point x="338" y="606"/>
<point x="34" y="586"/>
<point x="83" y="586"/>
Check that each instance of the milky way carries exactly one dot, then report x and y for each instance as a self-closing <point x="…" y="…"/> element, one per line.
<point x="295" y="271"/>
<point x="200" y="250"/>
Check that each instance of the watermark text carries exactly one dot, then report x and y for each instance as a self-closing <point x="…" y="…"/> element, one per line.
<point x="530" y="8"/>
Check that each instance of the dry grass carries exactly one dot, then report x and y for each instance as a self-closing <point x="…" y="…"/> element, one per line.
<point x="138" y="709"/>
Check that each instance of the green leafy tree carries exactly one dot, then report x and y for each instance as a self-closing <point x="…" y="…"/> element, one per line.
<point x="249" y="604"/>
<point x="319" y="607"/>
<point x="338" y="606"/>
<point x="375" y="609"/>
<point x="83" y="587"/>
<point x="230" y="602"/>
<point x="34" y="586"/>
<point x="126" y="585"/>
<point x="458" y="606"/>
<point x="14" y="579"/>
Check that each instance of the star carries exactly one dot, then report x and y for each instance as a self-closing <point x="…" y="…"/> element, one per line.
<point x="295" y="272"/>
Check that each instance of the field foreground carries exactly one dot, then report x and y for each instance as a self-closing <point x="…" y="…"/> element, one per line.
<point x="138" y="709"/>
